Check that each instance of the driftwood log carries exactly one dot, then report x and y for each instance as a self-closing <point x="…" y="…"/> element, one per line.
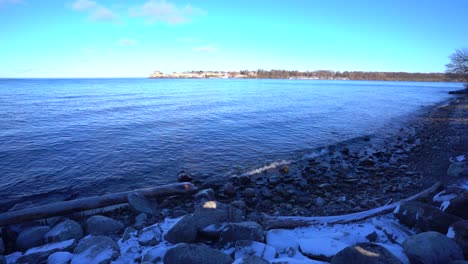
<point x="68" y="207"/>
<point x="272" y="222"/>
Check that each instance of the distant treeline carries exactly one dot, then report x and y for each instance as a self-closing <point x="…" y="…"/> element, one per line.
<point x="353" y="75"/>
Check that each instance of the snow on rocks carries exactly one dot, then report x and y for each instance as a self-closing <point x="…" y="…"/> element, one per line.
<point x="40" y="254"/>
<point x="321" y="248"/>
<point x="425" y="217"/>
<point x="66" y="230"/>
<point x="242" y="231"/>
<point x="31" y="237"/>
<point x="432" y="248"/>
<point x="150" y="236"/>
<point x="101" y="225"/>
<point x="245" y="248"/>
<point x="95" y="249"/>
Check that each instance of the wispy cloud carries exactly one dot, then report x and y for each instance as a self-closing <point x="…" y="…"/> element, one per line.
<point x="163" y="11"/>
<point x="127" y="42"/>
<point x="96" y="12"/>
<point x="13" y="2"/>
<point x="204" y="49"/>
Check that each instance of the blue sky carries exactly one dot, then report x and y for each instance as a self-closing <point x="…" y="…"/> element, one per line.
<point x="104" y="38"/>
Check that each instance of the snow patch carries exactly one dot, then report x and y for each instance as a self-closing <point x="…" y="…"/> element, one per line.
<point x="444" y="205"/>
<point x="451" y="232"/>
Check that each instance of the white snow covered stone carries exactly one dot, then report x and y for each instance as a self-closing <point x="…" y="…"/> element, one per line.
<point x="321" y="248"/>
<point x="95" y="249"/>
<point x="245" y="248"/>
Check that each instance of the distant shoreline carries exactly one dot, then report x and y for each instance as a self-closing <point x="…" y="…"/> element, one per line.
<point x="310" y="75"/>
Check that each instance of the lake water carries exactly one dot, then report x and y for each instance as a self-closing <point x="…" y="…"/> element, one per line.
<point x="93" y="136"/>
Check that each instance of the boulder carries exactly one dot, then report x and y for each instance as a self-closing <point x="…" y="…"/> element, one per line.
<point x="431" y="248"/>
<point x="140" y="204"/>
<point x="458" y="169"/>
<point x="425" y="217"/>
<point x="253" y="260"/>
<point x="459" y="232"/>
<point x="192" y="253"/>
<point x="321" y="248"/>
<point x="154" y="255"/>
<point x="242" y="231"/>
<point x="101" y="225"/>
<point x="128" y="233"/>
<point x="246" y="248"/>
<point x="31" y="237"/>
<point x="2" y="246"/>
<point x="184" y="177"/>
<point x="40" y="254"/>
<point x="95" y="249"/>
<point x="141" y="221"/>
<point x="185" y="231"/>
<point x="150" y="236"/>
<point x="60" y="258"/>
<point x="204" y="195"/>
<point x="367" y="253"/>
<point x="458" y="206"/>
<point x="66" y="230"/>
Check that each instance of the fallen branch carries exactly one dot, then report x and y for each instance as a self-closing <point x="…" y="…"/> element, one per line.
<point x="68" y="207"/>
<point x="271" y="222"/>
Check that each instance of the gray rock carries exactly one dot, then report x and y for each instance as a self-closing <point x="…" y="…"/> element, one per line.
<point x="431" y="248"/>
<point x="204" y="195"/>
<point x="212" y="232"/>
<point x="184" y="177"/>
<point x="150" y="236"/>
<point x="60" y="258"/>
<point x="254" y="260"/>
<point x="141" y="221"/>
<point x="66" y="230"/>
<point x="249" y="193"/>
<point x="458" y="169"/>
<point x="425" y="217"/>
<point x="242" y="231"/>
<point x="319" y="202"/>
<point x="95" y="249"/>
<point x="329" y="248"/>
<point x="229" y="189"/>
<point x="192" y="253"/>
<point x="183" y="231"/>
<point x="40" y="254"/>
<point x="31" y="237"/>
<point x="2" y="246"/>
<point x="140" y="204"/>
<point x="246" y="248"/>
<point x="459" y="232"/>
<point x="211" y="213"/>
<point x="367" y="253"/>
<point x="458" y="207"/>
<point x="154" y="255"/>
<point x="101" y="225"/>
<point x="129" y="231"/>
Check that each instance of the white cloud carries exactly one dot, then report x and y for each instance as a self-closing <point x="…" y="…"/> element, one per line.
<point x="81" y="5"/>
<point x="204" y="49"/>
<point x="96" y="11"/>
<point x="163" y="11"/>
<point x="127" y="42"/>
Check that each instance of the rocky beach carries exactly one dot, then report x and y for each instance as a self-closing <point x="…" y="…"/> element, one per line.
<point x="226" y="221"/>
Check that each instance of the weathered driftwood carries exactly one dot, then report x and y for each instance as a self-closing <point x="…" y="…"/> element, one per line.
<point x="271" y="222"/>
<point x="68" y="207"/>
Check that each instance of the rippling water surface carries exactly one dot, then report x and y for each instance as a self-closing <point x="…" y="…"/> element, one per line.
<point x="92" y="136"/>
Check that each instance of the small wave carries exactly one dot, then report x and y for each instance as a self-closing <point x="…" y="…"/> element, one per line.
<point x="270" y="166"/>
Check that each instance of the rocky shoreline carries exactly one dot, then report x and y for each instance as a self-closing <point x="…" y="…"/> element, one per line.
<point x="222" y="223"/>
